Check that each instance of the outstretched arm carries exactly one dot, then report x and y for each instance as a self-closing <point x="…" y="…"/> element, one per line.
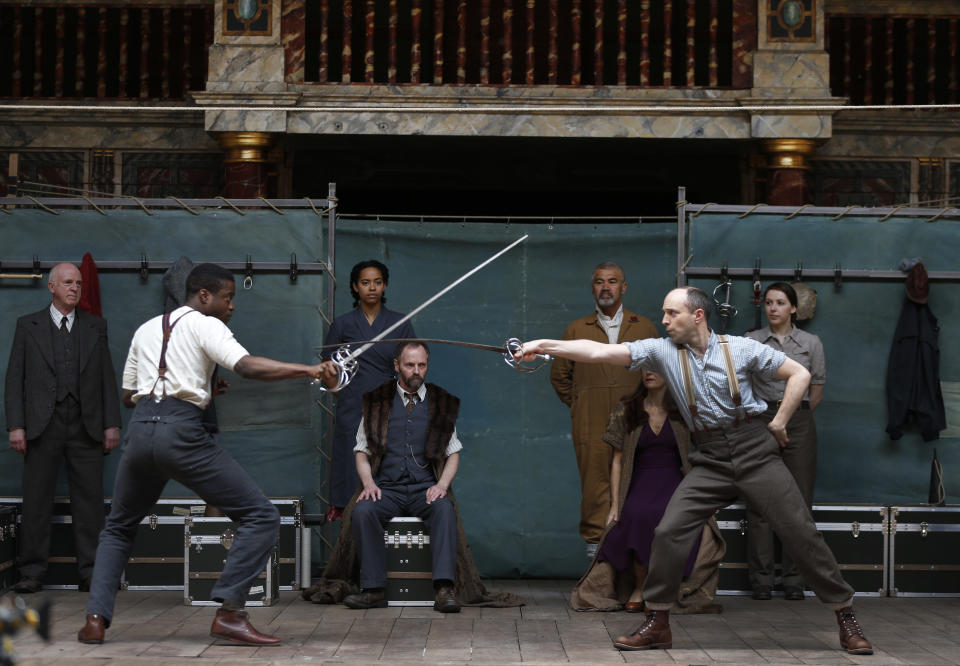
<point x="581" y="351"/>
<point x="268" y="370"/>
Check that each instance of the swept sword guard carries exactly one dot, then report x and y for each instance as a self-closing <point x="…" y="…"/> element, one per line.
<point x="347" y="365"/>
<point x="514" y="346"/>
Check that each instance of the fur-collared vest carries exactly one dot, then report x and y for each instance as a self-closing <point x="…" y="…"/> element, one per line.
<point x="442" y="411"/>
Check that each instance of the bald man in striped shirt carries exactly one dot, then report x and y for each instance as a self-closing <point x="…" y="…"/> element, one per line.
<point x="710" y="378"/>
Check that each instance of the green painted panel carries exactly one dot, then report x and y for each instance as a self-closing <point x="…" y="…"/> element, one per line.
<point x="857" y="461"/>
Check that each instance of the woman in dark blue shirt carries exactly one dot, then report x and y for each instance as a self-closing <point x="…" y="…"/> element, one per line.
<point x="369" y="317"/>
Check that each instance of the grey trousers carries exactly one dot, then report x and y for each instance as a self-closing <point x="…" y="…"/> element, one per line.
<point x="167" y="440"/>
<point x="65" y="439"/>
<point x="800" y="457"/>
<point x="370" y="518"/>
<point x="740" y="462"/>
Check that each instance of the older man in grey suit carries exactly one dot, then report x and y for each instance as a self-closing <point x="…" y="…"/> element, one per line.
<point x="61" y="404"/>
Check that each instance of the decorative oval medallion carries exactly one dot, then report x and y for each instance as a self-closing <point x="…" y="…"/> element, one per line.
<point x="247" y="9"/>
<point x="791" y="12"/>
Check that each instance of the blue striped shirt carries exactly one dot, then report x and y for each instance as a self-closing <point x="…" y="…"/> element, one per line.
<point x="709" y="375"/>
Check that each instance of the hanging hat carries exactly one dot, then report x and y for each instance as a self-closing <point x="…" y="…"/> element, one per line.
<point x="918" y="284"/>
<point x="806" y="300"/>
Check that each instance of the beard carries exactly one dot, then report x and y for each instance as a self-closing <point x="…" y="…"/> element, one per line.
<point x="412" y="382"/>
<point x="605" y="299"/>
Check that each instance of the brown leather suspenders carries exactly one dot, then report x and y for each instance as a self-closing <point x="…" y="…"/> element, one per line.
<point x="732" y="382"/>
<point x="162" y="364"/>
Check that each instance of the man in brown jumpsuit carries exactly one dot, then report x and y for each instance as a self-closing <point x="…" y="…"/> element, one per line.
<point x="592" y="390"/>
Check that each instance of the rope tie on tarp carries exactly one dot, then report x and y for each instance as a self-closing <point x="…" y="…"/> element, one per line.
<point x="190" y="210"/>
<point x="755" y="206"/>
<point x="230" y="203"/>
<point x="275" y="209"/>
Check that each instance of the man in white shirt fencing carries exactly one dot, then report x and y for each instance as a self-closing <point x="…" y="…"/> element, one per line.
<point x="167" y="379"/>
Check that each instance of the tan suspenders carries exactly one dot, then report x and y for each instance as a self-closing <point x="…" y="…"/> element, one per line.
<point x="732" y="382"/>
<point x="731" y="372"/>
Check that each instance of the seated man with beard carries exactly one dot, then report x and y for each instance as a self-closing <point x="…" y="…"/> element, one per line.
<point x="407" y="454"/>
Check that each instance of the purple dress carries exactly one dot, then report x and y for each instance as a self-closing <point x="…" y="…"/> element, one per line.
<point x="656" y="474"/>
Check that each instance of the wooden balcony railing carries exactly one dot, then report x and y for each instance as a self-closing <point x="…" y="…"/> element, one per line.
<point x="140" y="52"/>
<point x="645" y="43"/>
<point x="895" y="59"/>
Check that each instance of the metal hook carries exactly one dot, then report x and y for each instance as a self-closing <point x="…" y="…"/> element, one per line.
<point x="144" y="267"/>
<point x="798" y="272"/>
<point x="36" y="265"/>
<point x="248" y="280"/>
<point x="756" y="279"/>
<point x="293" y="268"/>
<point x="837" y="277"/>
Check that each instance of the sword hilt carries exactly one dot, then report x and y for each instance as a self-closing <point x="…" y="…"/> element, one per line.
<point x="347" y="365"/>
<point x="515" y="346"/>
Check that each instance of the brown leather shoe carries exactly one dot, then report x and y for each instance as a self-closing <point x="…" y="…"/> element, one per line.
<point x="851" y="635"/>
<point x="654" y="633"/>
<point x="793" y="593"/>
<point x="445" y="602"/>
<point x="92" y="631"/>
<point x="28" y="585"/>
<point x="365" y="600"/>
<point x="633" y="607"/>
<point x="234" y="626"/>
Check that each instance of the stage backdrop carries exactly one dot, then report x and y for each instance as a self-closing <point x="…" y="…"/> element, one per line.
<point x="857" y="462"/>
<point x="518" y="487"/>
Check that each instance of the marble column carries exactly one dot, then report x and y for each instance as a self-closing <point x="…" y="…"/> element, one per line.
<point x="245" y="164"/>
<point x="788" y="171"/>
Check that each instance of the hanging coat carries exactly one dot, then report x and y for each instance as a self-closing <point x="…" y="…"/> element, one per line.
<point x="913" y="374"/>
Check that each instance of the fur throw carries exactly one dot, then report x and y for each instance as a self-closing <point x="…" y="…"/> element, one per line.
<point x="442" y="408"/>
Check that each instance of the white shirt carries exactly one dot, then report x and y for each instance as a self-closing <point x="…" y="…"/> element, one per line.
<point x="453" y="447"/>
<point x="56" y="316"/>
<point x="197" y="345"/>
<point x="611" y="324"/>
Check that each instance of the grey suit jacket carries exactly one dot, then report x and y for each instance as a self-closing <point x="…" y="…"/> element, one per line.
<point x="31" y="383"/>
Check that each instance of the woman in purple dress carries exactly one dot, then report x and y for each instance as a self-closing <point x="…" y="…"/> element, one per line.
<point x="650" y="458"/>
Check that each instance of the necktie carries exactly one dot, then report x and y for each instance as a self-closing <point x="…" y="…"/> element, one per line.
<point x="411" y="401"/>
<point x="63" y="326"/>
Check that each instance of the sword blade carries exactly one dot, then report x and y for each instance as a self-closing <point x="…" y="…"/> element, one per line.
<point x="456" y="343"/>
<point x="430" y="300"/>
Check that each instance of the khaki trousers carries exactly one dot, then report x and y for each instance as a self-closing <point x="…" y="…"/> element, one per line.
<point x="800" y="457"/>
<point x="594" y="458"/>
<point x="740" y="462"/>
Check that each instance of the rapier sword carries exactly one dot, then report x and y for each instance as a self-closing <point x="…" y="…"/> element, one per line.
<point x="346" y="360"/>
<point x="508" y="349"/>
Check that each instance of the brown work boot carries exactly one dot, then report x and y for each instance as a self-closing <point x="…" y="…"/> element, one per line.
<point x="234" y="626"/>
<point x="445" y="601"/>
<point x="375" y="598"/>
<point x="654" y="633"/>
<point x="851" y="635"/>
<point x="92" y="632"/>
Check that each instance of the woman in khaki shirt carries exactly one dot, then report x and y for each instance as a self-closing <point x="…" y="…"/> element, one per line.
<point x="800" y="454"/>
